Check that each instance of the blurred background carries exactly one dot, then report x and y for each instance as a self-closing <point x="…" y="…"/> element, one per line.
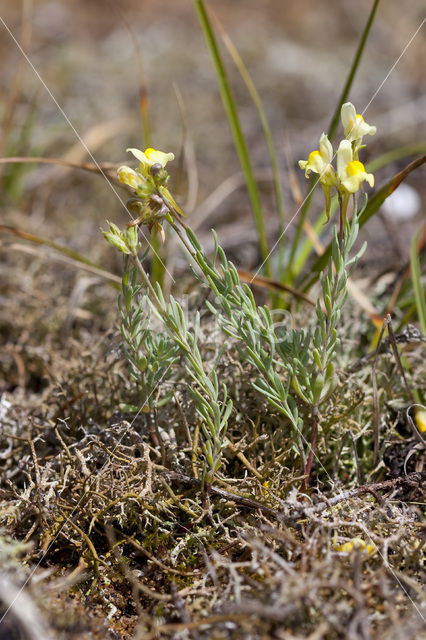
<point x="96" y="57"/>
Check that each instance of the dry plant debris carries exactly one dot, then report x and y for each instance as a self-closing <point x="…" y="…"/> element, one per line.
<point x="114" y="538"/>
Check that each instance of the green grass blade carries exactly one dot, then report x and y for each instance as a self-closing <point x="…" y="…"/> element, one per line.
<point x="400" y="153"/>
<point x="290" y="275"/>
<point x="239" y="140"/>
<point x="419" y="293"/>
<point x="257" y="101"/>
<point x="352" y="71"/>
<point x="388" y="188"/>
<point x="305" y="250"/>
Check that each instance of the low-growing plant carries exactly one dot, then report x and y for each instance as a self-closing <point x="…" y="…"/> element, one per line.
<point x="295" y="367"/>
<point x="148" y="352"/>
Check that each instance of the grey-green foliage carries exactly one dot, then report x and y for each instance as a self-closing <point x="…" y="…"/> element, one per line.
<point x="325" y="340"/>
<point x="292" y="365"/>
<point x="149" y="354"/>
<point x="212" y="403"/>
<point x="283" y="358"/>
<point x="294" y="348"/>
<point x="250" y="325"/>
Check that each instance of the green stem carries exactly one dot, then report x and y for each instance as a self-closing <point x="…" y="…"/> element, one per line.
<point x="290" y="272"/>
<point x="158" y="267"/>
<point x="233" y="119"/>
<point x="314" y="434"/>
<point x="254" y="94"/>
<point x="419" y="293"/>
<point x="147" y="281"/>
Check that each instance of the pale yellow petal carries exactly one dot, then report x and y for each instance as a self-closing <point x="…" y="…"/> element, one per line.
<point x="326" y="149"/>
<point x="139" y="155"/>
<point x="348" y="116"/>
<point x="344" y="156"/>
<point x="158" y="157"/>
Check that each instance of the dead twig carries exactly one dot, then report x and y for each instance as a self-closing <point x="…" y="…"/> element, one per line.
<point x="411" y="479"/>
<point x="179" y="478"/>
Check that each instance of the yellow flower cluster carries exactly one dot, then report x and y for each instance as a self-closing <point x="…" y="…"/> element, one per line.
<point x="152" y="199"/>
<point x="350" y="173"/>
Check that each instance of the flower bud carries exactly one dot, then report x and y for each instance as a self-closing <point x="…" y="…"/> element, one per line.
<point x="116" y="241"/>
<point x="128" y="176"/>
<point x="132" y="238"/>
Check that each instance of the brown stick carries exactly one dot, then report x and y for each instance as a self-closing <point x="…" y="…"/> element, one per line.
<point x="179" y="478"/>
<point x="412" y="479"/>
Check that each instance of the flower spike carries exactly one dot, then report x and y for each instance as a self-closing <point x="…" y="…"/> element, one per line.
<point x="351" y="173"/>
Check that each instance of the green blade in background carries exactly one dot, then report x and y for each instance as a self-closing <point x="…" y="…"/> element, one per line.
<point x="234" y="122"/>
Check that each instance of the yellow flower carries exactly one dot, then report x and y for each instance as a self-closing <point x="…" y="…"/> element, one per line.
<point x="319" y="161"/>
<point x="420" y="417"/>
<point x="355" y="543"/>
<point x="354" y="175"/>
<point x="351" y="172"/>
<point x="265" y="487"/>
<point x="354" y="125"/>
<point x="150" y="156"/>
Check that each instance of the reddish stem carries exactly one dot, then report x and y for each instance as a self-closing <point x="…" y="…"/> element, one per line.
<point x="310" y="459"/>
